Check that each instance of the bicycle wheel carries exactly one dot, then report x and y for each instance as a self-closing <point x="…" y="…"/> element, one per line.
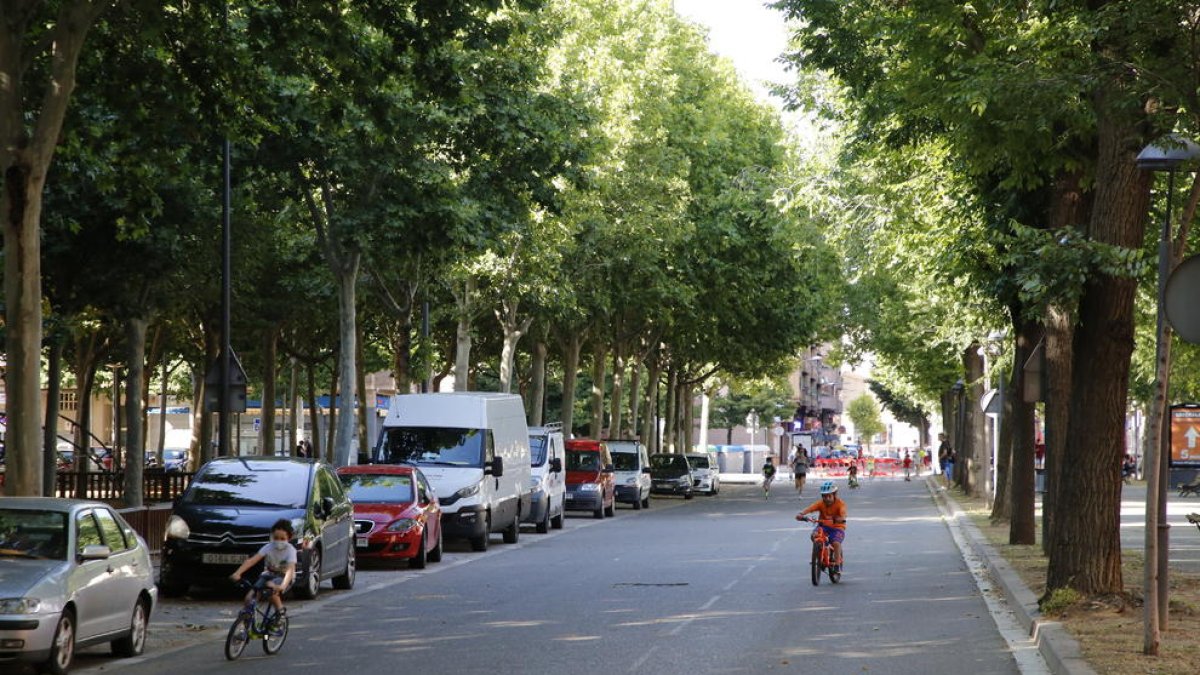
<point x="273" y="638"/>
<point x="816" y="564"/>
<point x="835" y="571"/>
<point x="239" y="635"/>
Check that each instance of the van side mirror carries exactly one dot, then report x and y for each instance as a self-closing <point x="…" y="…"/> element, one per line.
<point x="326" y="506"/>
<point x="556" y="465"/>
<point x="496" y="467"/>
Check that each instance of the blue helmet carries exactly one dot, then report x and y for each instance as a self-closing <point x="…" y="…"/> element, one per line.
<point x="828" y="488"/>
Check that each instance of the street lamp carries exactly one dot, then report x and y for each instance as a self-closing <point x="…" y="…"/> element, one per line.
<point x="1168" y="154"/>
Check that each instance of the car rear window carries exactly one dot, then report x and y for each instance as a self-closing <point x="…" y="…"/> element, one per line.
<point x="378" y="488"/>
<point x="267" y="484"/>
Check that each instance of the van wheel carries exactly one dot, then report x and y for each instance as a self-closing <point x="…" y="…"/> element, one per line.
<point x="513" y="532"/>
<point x="481" y="542"/>
<point x="543" y="526"/>
<point x="417" y="562"/>
<point x="557" y="521"/>
<point x="646" y="502"/>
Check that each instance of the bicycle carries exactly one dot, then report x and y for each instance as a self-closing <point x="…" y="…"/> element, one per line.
<point x="822" y="557"/>
<point x="767" y="480"/>
<point x="257" y="620"/>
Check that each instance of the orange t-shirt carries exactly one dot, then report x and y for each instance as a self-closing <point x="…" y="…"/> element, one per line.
<point x="829" y="512"/>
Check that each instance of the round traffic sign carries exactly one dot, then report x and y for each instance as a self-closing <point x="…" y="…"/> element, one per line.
<point x="1182" y="301"/>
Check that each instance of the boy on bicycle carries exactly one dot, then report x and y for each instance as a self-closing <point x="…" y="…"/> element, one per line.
<point x="279" y="568"/>
<point x="768" y="473"/>
<point x="831" y="517"/>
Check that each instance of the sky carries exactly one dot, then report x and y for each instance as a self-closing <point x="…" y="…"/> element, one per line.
<point x="746" y="32"/>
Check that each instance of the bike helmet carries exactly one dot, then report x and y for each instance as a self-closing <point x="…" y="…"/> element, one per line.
<point x="828" y="488"/>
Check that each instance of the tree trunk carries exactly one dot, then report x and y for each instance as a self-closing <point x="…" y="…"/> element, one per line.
<point x="462" y="351"/>
<point x="617" y="396"/>
<point x="513" y="328"/>
<point x="571" y="349"/>
<point x="1086" y="551"/>
<point x="85" y="377"/>
<point x="402" y="354"/>
<point x="26" y="151"/>
<point x="975" y="455"/>
<point x="270" y="357"/>
<point x="335" y="413"/>
<point x="292" y="416"/>
<point x="1002" y="503"/>
<point x="1023" y="526"/>
<point x="635" y="395"/>
<point x="314" y="412"/>
<point x="135" y="409"/>
<point x="650" y="416"/>
<point x="364" y="407"/>
<point x="50" y="427"/>
<point x="162" y="404"/>
<point x="671" y="409"/>
<point x="537" y="397"/>
<point x="598" y="376"/>
<point x="689" y="417"/>
<point x="202" y="414"/>
<point x="153" y="353"/>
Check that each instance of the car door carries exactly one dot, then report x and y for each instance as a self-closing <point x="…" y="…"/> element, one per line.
<point x="337" y="528"/>
<point x="430" y="512"/>
<point x="91" y="582"/>
<point x="125" y="562"/>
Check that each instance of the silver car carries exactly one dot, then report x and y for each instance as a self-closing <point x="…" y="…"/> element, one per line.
<point x="72" y="573"/>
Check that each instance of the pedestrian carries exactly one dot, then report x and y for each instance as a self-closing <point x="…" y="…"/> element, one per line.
<point x="870" y="466"/>
<point x="945" y="458"/>
<point x="800" y="468"/>
<point x="907" y="465"/>
<point x="920" y="460"/>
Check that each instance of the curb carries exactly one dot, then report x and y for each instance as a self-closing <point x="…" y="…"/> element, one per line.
<point x="1057" y="647"/>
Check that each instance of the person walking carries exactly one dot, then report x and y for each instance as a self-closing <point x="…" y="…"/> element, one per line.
<point x="945" y="458"/>
<point x="907" y="466"/>
<point x="800" y="468"/>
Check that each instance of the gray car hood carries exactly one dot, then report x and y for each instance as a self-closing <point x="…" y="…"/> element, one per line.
<point x="19" y="576"/>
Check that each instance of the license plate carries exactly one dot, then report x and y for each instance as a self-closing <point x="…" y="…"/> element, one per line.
<point x="360" y="542"/>
<point x="222" y="558"/>
<point x="570" y="495"/>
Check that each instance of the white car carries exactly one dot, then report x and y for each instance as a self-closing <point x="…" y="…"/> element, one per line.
<point x="548" y="499"/>
<point x="72" y="573"/>
<point x="706" y="477"/>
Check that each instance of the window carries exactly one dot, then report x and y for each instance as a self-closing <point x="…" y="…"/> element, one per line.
<point x="87" y="533"/>
<point x="68" y="401"/>
<point x="114" y="538"/>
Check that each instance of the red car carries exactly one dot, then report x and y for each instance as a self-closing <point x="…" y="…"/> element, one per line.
<point x="590" y="485"/>
<point x="396" y="514"/>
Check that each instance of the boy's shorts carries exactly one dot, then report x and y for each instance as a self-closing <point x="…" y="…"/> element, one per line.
<point x="267" y="577"/>
<point x="836" y="535"/>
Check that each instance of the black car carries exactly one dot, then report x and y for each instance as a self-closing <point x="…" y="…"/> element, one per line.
<point x="226" y="515"/>
<point x="670" y="475"/>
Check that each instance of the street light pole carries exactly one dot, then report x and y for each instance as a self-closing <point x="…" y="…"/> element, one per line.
<point x="226" y="358"/>
<point x="1167" y="155"/>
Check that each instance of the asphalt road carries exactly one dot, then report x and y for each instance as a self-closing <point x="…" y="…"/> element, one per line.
<point x="712" y="585"/>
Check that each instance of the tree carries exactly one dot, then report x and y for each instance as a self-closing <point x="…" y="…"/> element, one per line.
<point x="864" y="414"/>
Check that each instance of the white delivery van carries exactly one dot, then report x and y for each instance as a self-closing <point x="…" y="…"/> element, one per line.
<point x="474" y="449"/>
<point x="548" y="499"/>
<point x="632" y="472"/>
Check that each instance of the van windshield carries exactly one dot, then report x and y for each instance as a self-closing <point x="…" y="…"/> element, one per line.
<point x="583" y="461"/>
<point x="625" y="461"/>
<point x="537" y="450"/>
<point x="432" y="446"/>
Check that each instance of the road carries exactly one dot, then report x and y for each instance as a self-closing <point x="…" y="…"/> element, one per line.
<point x="714" y="585"/>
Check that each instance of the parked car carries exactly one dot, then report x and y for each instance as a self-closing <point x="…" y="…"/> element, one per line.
<point x="474" y="449"/>
<point x="632" y="475"/>
<point x="396" y="514"/>
<point x="74" y="574"/>
<point x="548" y="498"/>
<point x="671" y="474"/>
<point x="706" y="476"/>
<point x="590" y="485"/>
<point x="226" y="515"/>
<point x="175" y="459"/>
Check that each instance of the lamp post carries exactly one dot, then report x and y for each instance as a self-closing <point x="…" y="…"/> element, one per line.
<point x="1167" y="154"/>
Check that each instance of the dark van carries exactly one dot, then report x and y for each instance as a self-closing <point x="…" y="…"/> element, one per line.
<point x="226" y="514"/>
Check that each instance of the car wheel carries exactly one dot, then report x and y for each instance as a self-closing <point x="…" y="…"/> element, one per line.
<point x="418" y="561"/>
<point x="598" y="514"/>
<point x="345" y="581"/>
<point x="688" y="495"/>
<point x="435" y="554"/>
<point x="312" y="580"/>
<point x="611" y="509"/>
<point x="481" y="542"/>
<point x="543" y="526"/>
<point x="134" y="643"/>
<point x="62" y="650"/>
<point x="513" y="532"/>
<point x="557" y="521"/>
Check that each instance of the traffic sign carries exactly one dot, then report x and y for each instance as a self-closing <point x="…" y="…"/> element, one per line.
<point x="1185" y="435"/>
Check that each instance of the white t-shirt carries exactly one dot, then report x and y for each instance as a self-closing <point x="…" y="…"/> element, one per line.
<point x="277" y="561"/>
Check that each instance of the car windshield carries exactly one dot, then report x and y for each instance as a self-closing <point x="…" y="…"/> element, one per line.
<point x="174" y="454"/>
<point x="668" y="462"/>
<point x="698" y="461"/>
<point x="378" y="488"/>
<point x="625" y="461"/>
<point x="27" y="533"/>
<point x="250" y="484"/>
<point x="583" y="461"/>
<point x="537" y="450"/>
<point x="432" y="446"/>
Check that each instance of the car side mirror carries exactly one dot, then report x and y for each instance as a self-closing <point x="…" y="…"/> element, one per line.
<point x="95" y="552"/>
<point x="497" y="467"/>
<point x="556" y="465"/>
<point x="326" y="506"/>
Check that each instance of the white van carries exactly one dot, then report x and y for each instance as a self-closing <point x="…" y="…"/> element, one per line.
<point x="548" y="501"/>
<point x="474" y="449"/>
<point x="632" y="472"/>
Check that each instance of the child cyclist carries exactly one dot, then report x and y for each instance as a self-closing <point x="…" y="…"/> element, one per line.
<point x="768" y="474"/>
<point x="279" y="569"/>
<point x="831" y="517"/>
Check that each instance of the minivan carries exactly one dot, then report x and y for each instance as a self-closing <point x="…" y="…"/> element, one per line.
<point x="632" y="476"/>
<point x="226" y="514"/>
<point x="590" y="478"/>
<point x="548" y="499"/>
<point x="474" y="449"/>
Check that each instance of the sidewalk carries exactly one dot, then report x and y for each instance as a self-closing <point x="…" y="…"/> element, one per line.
<point x="1057" y="647"/>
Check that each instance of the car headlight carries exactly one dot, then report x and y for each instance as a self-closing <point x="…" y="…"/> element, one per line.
<point x="631" y="481"/>
<point x="177" y="528"/>
<point x="402" y="525"/>
<point x="469" y="490"/>
<point x="589" y="487"/>
<point x="20" y="605"/>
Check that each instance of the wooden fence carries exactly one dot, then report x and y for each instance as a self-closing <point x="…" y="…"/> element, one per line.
<point x="157" y="485"/>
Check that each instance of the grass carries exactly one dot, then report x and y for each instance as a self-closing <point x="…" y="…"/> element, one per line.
<point x="1109" y="629"/>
